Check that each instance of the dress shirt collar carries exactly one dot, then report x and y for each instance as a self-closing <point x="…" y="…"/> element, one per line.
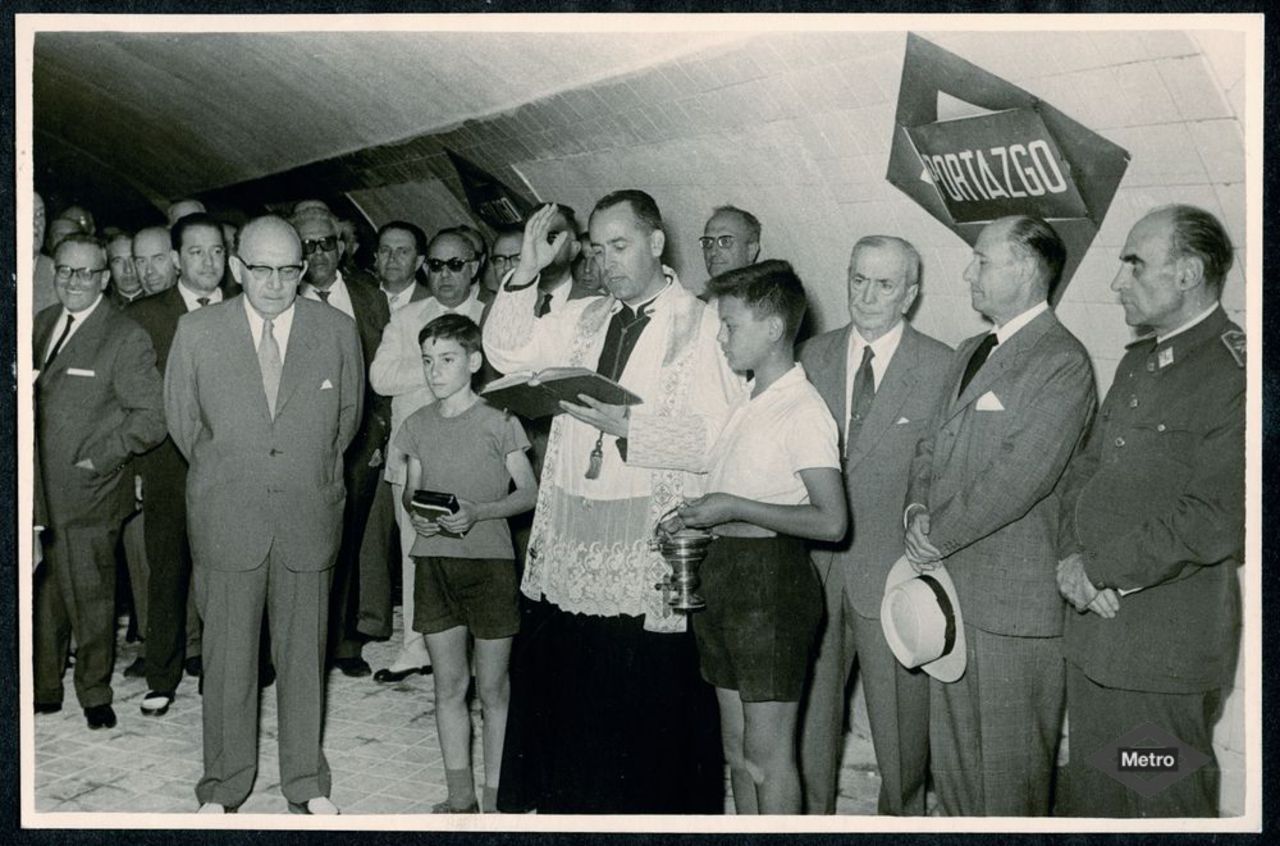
<point x="464" y="307"/>
<point x="281" y="324"/>
<point x="81" y="316"/>
<point x="1198" y="319"/>
<point x="1011" y="327"/>
<point x="191" y="297"/>
<point x="399" y="300"/>
<point x="339" y="295"/>
<point x="784" y="383"/>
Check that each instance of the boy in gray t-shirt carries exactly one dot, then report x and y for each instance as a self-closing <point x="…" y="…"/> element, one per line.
<point x="465" y="566"/>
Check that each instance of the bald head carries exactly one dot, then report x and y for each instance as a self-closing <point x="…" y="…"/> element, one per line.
<point x="153" y="258"/>
<point x="269" y="264"/>
<point x="181" y="208"/>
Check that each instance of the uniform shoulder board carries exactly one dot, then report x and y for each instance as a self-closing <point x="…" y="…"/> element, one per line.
<point x="1233" y="340"/>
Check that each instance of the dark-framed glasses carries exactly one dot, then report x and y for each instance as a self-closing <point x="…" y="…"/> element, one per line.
<point x="504" y="260"/>
<point x="82" y="274"/>
<point x="724" y="242"/>
<point x="328" y="243"/>
<point x="455" y="264"/>
<point x="288" y="273"/>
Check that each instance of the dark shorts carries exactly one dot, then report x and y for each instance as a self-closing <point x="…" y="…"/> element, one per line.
<point x="479" y="593"/>
<point x="764" y="605"/>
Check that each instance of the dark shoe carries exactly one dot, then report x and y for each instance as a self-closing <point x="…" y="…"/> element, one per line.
<point x="355" y="667"/>
<point x="193" y="666"/>
<point x="48" y="707"/>
<point x="319" y="806"/>
<point x="266" y="676"/>
<point x="386" y="676"/>
<point x="100" y="717"/>
<point x="137" y="669"/>
<point x="156" y="703"/>
<point x="445" y="808"/>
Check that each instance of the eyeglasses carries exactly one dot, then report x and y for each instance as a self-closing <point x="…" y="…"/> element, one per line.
<point x="500" y="259"/>
<point x="455" y="264"/>
<point x="724" y="242"/>
<point x="397" y="252"/>
<point x="288" y="273"/>
<point x="328" y="243"/>
<point x="82" y="274"/>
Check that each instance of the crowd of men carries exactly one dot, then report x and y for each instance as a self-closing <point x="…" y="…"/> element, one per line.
<point x="222" y="404"/>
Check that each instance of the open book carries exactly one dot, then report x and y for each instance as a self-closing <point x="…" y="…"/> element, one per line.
<point x="538" y="394"/>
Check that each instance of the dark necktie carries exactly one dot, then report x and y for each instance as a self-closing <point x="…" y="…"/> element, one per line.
<point x="62" y="339"/>
<point x="204" y="301"/>
<point x="544" y="306"/>
<point x="323" y="295"/>
<point x="864" y="391"/>
<point x="976" y="361"/>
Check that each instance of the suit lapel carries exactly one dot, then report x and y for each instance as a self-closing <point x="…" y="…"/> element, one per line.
<point x="86" y="337"/>
<point x="298" y="357"/>
<point x="1002" y="357"/>
<point x="830" y="377"/>
<point x="895" y="387"/>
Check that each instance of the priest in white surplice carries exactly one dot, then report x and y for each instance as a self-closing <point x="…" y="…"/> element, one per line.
<point x="608" y="711"/>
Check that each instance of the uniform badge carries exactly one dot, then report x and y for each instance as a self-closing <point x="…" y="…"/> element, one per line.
<point x="1233" y="340"/>
<point x="1165" y="357"/>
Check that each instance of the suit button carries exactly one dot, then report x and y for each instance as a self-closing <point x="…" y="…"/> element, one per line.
<point x="1119" y="442"/>
<point x="1160" y="427"/>
<point x="273" y="451"/>
<point x="1133" y="402"/>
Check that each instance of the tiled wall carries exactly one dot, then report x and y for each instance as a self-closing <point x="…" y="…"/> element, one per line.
<point x="796" y="128"/>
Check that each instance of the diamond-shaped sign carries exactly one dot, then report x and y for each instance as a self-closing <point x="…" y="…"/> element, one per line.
<point x="1147" y="759"/>
<point x="1016" y="155"/>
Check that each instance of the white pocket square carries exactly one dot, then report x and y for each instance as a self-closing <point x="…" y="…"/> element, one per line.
<point x="901" y="420"/>
<point x="989" y="402"/>
<point x="326" y="385"/>
<point x="76" y="371"/>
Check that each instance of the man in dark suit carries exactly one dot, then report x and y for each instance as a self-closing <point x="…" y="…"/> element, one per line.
<point x="126" y="286"/>
<point x="322" y="247"/>
<point x="883" y="382"/>
<point x="262" y="395"/>
<point x="98" y="403"/>
<point x="198" y="250"/>
<point x="1153" y="524"/>
<point x="982" y="498"/>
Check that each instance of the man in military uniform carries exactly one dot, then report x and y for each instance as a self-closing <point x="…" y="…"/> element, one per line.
<point x="1153" y="523"/>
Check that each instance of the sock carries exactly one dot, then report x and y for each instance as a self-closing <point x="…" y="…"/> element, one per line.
<point x="462" y="787"/>
<point x="489" y="801"/>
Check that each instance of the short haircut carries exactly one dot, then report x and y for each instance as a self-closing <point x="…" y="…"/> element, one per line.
<point x="749" y="220"/>
<point x="642" y="206"/>
<point x="571" y="217"/>
<point x="508" y="230"/>
<point x="768" y="288"/>
<point x="908" y="249"/>
<point x="83" y="239"/>
<point x="306" y="213"/>
<point x="1197" y="233"/>
<point x="454" y="232"/>
<point x="419" y="237"/>
<point x="452" y="327"/>
<point x="1038" y="240"/>
<point x="189" y="221"/>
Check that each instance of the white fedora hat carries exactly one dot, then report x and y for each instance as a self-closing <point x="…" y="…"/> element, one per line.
<point x="920" y="616"/>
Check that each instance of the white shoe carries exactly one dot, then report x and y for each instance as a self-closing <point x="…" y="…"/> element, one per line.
<point x="317" y="806"/>
<point x="211" y="808"/>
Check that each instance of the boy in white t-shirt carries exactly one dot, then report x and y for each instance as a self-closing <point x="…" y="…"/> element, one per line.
<point x="774" y="481"/>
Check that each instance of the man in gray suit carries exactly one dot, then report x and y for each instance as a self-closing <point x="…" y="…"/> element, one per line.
<point x="982" y="499"/>
<point x="262" y="396"/>
<point x="883" y="382"/>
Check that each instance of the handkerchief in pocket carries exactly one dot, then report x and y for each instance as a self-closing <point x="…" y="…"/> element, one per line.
<point x="902" y="421"/>
<point x="77" y="371"/>
<point x="989" y="402"/>
<point x="326" y="385"/>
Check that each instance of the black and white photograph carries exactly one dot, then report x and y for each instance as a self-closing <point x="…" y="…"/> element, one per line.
<point x="564" y="422"/>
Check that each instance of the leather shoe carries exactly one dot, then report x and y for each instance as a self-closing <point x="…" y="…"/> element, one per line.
<point x="215" y="808"/>
<point x="137" y="669"/>
<point x="389" y="676"/>
<point x="266" y="675"/>
<point x="156" y="703"/>
<point x="48" y="707"/>
<point x="193" y="666"/>
<point x="100" y="717"/>
<point x="317" y="806"/>
<point x="445" y="808"/>
<point x="355" y="666"/>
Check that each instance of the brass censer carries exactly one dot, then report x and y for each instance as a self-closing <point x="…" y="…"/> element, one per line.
<point x="683" y="550"/>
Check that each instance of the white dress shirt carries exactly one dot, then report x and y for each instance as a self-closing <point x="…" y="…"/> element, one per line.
<point x="1011" y="327"/>
<point x="80" y="317"/>
<point x="280" y="326"/>
<point x="339" y="296"/>
<point x="192" y="298"/>
<point x="882" y="350"/>
<point x="1200" y="318"/>
<point x="398" y="301"/>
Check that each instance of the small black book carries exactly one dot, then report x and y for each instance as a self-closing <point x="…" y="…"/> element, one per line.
<point x="533" y="395"/>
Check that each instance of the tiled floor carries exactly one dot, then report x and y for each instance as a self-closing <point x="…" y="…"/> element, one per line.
<point x="380" y="741"/>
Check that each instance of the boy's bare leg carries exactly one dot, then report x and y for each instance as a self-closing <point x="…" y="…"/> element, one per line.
<point x="732" y="739"/>
<point x="770" y="749"/>
<point x="452" y="676"/>
<point x="493" y="658"/>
